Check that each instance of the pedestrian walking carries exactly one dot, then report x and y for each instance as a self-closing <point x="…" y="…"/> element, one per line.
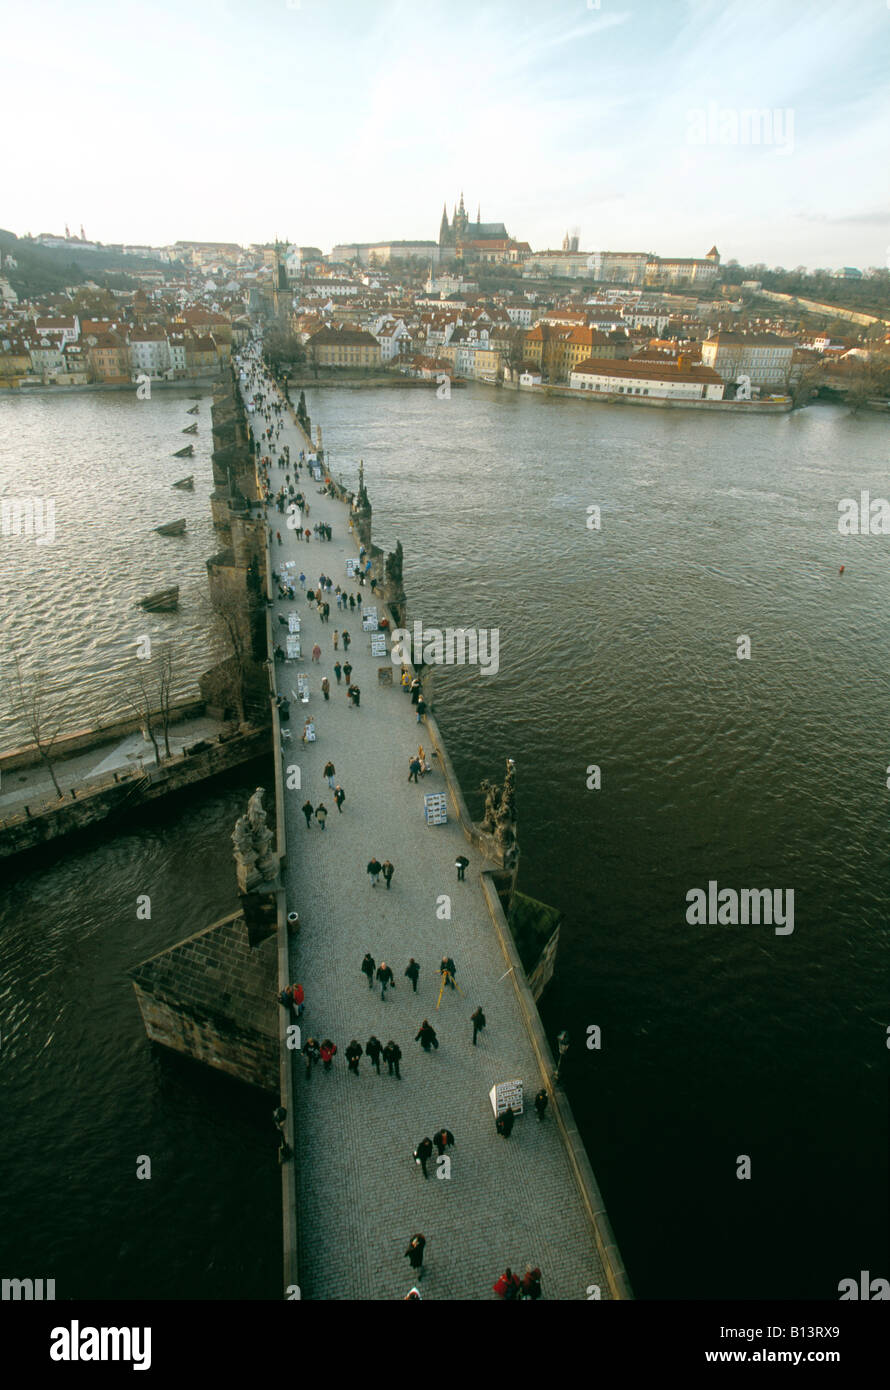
<point x="321" y="815"/>
<point x="530" y="1288"/>
<point x="541" y="1100"/>
<point x="426" y="1036"/>
<point x="414" y="767"/>
<point x="421" y="708"/>
<point x="504" y="1125"/>
<point x="414" y="1253"/>
<point x="347" y="671"/>
<point x="368" y="968"/>
<point x="353" y="1055"/>
<point x="308" y="811"/>
<point x="443" y="1139"/>
<point x="447" y="968"/>
<point x="478" y="1021"/>
<point x="423" y="1153"/>
<point x="388" y="871"/>
<point x="392" y="1055"/>
<point x="461" y="863"/>
<point x="507" y="1286"/>
<point x="311" y="1053"/>
<point x="385" y="977"/>
<point x="373" y="1049"/>
<point x="352" y="601"/>
<point x="355" y="695"/>
<point x="415" y="690"/>
<point x="327" y="1052"/>
<point x="338" y="671"/>
<point x="339" y="797"/>
<point x="316" y="652"/>
<point x="299" y="997"/>
<point x="413" y="971"/>
<point x="326" y="687"/>
<point x="336" y="639"/>
<point x="346" y="640"/>
<point x="302" y="580"/>
<point x="329" y="772"/>
<point x="374" y="867"/>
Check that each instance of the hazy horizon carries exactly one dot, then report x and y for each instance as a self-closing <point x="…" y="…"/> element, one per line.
<point x="323" y="123"/>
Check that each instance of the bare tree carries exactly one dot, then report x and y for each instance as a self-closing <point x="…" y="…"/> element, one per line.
<point x="31" y="708"/>
<point x="140" y="701"/>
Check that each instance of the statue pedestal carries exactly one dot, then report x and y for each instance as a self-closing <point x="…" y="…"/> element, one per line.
<point x="248" y="877"/>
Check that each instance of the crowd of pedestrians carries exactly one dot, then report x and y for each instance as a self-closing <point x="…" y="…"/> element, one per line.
<point x="290" y="499"/>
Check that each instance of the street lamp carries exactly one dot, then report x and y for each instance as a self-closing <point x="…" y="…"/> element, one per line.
<point x="562" y="1042"/>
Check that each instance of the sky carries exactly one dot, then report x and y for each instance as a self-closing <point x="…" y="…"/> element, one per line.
<point x="632" y="125"/>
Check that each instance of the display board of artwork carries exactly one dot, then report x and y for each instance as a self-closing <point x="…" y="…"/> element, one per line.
<point x="351" y="568"/>
<point x="303" y="688"/>
<point x="293" y="622"/>
<point x="506" y="1095"/>
<point x="435" y="809"/>
<point x="369" y="619"/>
<point x="293" y="646"/>
<point x="309" y="733"/>
<point x="384" y="675"/>
<point x="378" y="644"/>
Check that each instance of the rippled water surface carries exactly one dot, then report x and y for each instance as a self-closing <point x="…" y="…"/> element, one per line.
<point x="617" y="648"/>
<point x="68" y="608"/>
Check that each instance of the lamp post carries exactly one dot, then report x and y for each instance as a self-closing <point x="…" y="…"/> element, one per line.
<point x="562" y="1042"/>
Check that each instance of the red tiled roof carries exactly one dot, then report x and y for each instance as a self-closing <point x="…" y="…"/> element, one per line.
<point x="648" y="371"/>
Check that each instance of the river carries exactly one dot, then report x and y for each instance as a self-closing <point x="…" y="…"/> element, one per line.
<point x="617" y="648"/>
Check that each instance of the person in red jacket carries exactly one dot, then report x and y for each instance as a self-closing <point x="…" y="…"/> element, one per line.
<point x="298" y="996"/>
<point x="327" y="1052"/>
<point x="508" y="1285"/>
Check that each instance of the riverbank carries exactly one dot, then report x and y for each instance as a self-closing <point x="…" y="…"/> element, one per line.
<point x="357" y="383"/>
<point x="28" y="825"/>
<point x="776" y="407"/>
<point x="89" y="386"/>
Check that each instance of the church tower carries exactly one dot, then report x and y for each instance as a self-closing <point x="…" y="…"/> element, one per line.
<point x="461" y="220"/>
<point x="443" y="228"/>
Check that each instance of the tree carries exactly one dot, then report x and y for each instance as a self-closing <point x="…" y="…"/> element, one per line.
<point x="514" y="353"/>
<point x="140" y="700"/>
<point x="30" y="707"/>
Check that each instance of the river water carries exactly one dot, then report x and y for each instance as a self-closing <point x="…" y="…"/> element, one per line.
<point x="617" y="648"/>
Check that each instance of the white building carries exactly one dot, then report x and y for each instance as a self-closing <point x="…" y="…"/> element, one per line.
<point x="682" y="380"/>
<point x="764" y="357"/>
<point x="48" y="358"/>
<point x="149" y="353"/>
<point x="618" y="267"/>
<point x="393" y="337"/>
<point x="61" y="331"/>
<point x="449" y="284"/>
<point x="176" y="349"/>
